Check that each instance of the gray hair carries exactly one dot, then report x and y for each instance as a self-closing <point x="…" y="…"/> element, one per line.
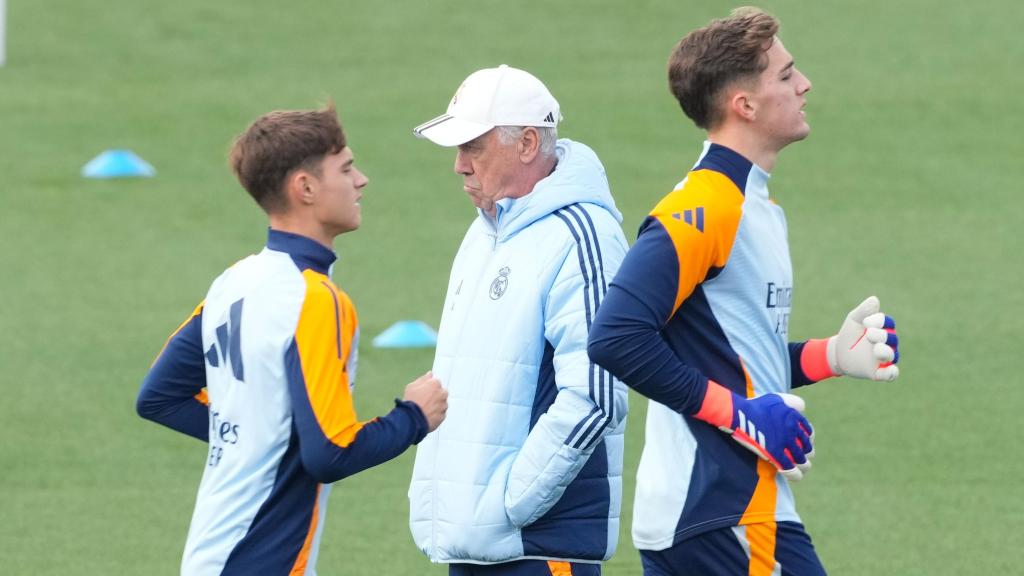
<point x="548" y="136"/>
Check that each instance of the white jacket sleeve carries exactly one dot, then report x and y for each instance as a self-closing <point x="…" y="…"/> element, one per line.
<point x="589" y="403"/>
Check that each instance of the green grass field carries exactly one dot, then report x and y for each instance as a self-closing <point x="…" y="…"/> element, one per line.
<point x="909" y="187"/>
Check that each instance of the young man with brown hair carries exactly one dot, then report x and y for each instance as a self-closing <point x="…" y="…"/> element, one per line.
<point x="697" y="320"/>
<point x="263" y="370"/>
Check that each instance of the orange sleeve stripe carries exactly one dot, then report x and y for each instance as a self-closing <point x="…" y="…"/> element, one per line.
<point x="746" y="377"/>
<point x="761" y="507"/>
<point x="203" y="397"/>
<point x="706" y="243"/>
<point x="762" y="537"/>
<point x="324" y="339"/>
<point x="559" y="568"/>
<point x="299" y="568"/>
<point x="759" y="517"/>
<point x="195" y="313"/>
<point x="351" y="319"/>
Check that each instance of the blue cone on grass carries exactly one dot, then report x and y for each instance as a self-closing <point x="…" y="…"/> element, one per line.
<point x="407" y="334"/>
<point x="118" y="164"/>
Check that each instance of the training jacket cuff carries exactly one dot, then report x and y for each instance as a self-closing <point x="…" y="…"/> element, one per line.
<point x="418" y="419"/>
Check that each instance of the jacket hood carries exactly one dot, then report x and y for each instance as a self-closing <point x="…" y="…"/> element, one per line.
<point x="579" y="177"/>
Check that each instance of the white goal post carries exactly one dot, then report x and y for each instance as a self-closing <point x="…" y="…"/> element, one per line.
<point x="3" y="31"/>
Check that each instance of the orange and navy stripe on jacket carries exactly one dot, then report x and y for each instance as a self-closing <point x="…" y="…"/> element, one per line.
<point x="325" y="440"/>
<point x="174" y="390"/>
<point x="659" y="331"/>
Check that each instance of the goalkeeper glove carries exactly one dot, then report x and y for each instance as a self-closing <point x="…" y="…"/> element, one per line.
<point x="771" y="426"/>
<point x="867" y="345"/>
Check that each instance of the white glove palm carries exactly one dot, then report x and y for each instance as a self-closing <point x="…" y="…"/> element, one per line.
<point x="866" y="345"/>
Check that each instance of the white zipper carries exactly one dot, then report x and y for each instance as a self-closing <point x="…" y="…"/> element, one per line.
<point x="437" y="450"/>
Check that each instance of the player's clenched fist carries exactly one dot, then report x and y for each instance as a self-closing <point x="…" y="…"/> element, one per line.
<point x="867" y="345"/>
<point x="427" y="393"/>
<point x="772" y="426"/>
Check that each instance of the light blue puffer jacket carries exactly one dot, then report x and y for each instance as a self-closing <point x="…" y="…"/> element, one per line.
<point x="528" y="463"/>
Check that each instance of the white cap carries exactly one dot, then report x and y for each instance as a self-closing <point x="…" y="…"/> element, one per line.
<point x="502" y="96"/>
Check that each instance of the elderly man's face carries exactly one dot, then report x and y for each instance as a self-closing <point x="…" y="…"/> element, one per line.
<point x="490" y="170"/>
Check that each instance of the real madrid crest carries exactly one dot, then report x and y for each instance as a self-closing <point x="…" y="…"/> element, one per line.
<point x="500" y="284"/>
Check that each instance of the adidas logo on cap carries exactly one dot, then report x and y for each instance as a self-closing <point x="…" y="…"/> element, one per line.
<point x="502" y="96"/>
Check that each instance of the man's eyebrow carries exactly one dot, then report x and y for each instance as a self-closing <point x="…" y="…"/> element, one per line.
<point x="787" y="67"/>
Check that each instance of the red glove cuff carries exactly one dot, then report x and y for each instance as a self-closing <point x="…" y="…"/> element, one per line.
<point x="716" y="409"/>
<point x="814" y="360"/>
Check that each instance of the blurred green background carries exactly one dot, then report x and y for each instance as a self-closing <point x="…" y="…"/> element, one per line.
<point x="908" y="187"/>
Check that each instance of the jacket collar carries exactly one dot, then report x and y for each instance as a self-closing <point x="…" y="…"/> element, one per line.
<point x="305" y="252"/>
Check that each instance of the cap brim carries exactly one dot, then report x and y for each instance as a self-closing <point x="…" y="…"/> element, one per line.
<point x="448" y="130"/>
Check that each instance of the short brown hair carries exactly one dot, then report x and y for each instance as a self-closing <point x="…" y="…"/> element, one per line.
<point x="712" y="58"/>
<point x="280" y="142"/>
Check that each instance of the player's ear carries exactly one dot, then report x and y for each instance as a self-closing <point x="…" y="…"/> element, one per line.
<point x="300" y="188"/>
<point x="741" y="105"/>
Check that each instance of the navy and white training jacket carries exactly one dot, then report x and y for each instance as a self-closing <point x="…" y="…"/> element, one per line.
<point x="263" y="371"/>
